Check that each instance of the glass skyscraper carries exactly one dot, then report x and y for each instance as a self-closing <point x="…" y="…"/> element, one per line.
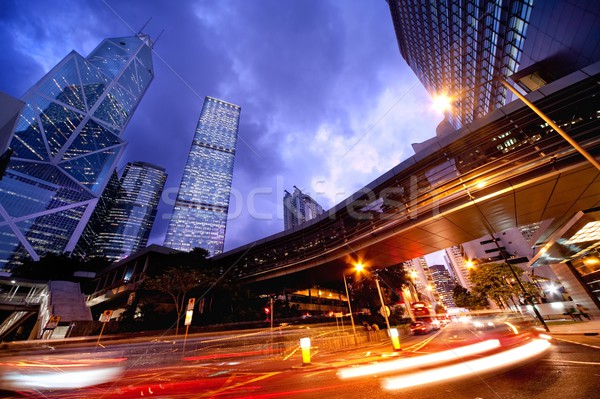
<point x="125" y="228"/>
<point x="199" y="216"/>
<point x="463" y="48"/>
<point x="66" y="144"/>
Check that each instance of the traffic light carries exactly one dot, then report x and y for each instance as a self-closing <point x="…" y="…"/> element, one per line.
<point x="267" y="310"/>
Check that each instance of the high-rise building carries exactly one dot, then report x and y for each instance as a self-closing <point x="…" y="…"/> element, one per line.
<point x="126" y="226"/>
<point x="66" y="144"/>
<point x="457" y="261"/>
<point x="464" y="48"/>
<point x="444" y="284"/>
<point x="299" y="208"/>
<point x="199" y="216"/>
<point x="89" y="237"/>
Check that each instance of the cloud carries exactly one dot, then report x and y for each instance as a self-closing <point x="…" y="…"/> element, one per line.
<point x="327" y="102"/>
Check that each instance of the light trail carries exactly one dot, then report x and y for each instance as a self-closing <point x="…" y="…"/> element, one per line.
<point x="489" y="363"/>
<point x="420" y="361"/>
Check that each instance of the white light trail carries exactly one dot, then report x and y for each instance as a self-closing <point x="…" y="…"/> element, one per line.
<point x="489" y="363"/>
<point x="419" y="361"/>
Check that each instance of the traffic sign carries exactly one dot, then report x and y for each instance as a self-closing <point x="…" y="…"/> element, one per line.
<point x="105" y="316"/>
<point x="190" y="305"/>
<point x="385" y="311"/>
<point x="188" y="317"/>
<point x="52" y="323"/>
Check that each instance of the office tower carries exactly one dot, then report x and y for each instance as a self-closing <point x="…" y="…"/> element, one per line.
<point x="444" y="284"/>
<point x="199" y="216"/>
<point x="420" y="276"/>
<point x="456" y="259"/>
<point x="89" y="237"/>
<point x="299" y="208"/>
<point x="66" y="144"/>
<point x="126" y="226"/>
<point x="464" y="48"/>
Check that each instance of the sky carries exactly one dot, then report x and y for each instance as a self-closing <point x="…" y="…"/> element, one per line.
<point x="328" y="103"/>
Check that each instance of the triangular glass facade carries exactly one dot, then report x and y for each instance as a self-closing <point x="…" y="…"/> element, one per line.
<point x="63" y="153"/>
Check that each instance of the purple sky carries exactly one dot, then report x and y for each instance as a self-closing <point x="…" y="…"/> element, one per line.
<point x="328" y="103"/>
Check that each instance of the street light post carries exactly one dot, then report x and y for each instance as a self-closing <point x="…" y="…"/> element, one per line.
<point x="350" y="309"/>
<point x="384" y="309"/>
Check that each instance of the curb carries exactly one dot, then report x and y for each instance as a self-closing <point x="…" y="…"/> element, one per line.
<point x="589" y="334"/>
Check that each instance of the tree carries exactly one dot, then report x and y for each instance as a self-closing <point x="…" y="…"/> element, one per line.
<point x="363" y="289"/>
<point x="58" y="267"/>
<point x="497" y="282"/>
<point x="177" y="282"/>
<point x="464" y="299"/>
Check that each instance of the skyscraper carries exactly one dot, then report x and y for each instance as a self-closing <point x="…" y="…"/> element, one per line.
<point x="463" y="48"/>
<point x="126" y="226"/>
<point x="299" y="208"/>
<point x="444" y="284"/>
<point x="199" y="216"/>
<point x="89" y="237"/>
<point x="66" y="144"/>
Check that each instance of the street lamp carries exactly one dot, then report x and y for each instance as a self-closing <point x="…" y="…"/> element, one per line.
<point x="384" y="309"/>
<point x="350" y="307"/>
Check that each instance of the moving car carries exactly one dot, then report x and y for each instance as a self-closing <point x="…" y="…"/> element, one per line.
<point x="420" y="327"/>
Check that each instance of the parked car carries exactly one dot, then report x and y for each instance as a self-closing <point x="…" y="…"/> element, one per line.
<point x="420" y="327"/>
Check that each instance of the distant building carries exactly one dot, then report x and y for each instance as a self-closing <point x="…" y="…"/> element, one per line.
<point x="458" y="263"/>
<point x="199" y="216"/>
<point x="66" y="144"/>
<point x="444" y="284"/>
<point x="126" y="225"/>
<point x="299" y="208"/>
<point x="420" y="276"/>
<point x="462" y="48"/>
<point x="514" y="245"/>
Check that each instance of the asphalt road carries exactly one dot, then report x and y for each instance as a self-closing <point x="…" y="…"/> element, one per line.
<point x="569" y="369"/>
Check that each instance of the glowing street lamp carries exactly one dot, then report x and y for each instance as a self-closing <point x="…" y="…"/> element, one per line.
<point x="358" y="268"/>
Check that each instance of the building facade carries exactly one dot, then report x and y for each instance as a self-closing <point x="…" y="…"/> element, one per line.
<point x="66" y="143"/>
<point x="298" y="208"/>
<point x="127" y="223"/>
<point x="199" y="217"/>
<point x="464" y="48"/>
<point x="444" y="284"/>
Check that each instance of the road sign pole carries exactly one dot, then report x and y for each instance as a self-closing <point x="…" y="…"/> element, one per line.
<point x="100" y="335"/>
<point x="187" y="326"/>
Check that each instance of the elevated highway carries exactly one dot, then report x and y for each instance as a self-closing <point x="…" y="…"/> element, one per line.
<point x="506" y="170"/>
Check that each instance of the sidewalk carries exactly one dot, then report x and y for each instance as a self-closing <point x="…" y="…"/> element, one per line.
<point x="586" y="327"/>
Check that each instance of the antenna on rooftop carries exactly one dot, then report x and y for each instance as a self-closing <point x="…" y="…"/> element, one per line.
<point x="158" y="37"/>
<point x="143" y="26"/>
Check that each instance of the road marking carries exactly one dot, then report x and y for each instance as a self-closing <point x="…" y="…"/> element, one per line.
<point x="416" y="347"/>
<point x="573" y="361"/>
<point x="576" y="343"/>
<point x="239" y="384"/>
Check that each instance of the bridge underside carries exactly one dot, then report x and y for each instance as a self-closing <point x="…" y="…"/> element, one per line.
<point x="507" y="170"/>
<point x="555" y="198"/>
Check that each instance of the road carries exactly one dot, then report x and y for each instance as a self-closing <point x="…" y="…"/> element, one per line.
<point x="569" y="369"/>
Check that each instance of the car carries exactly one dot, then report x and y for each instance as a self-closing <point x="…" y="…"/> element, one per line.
<point x="420" y="327"/>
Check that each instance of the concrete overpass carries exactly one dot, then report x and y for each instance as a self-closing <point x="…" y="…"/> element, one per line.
<point x="506" y="170"/>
